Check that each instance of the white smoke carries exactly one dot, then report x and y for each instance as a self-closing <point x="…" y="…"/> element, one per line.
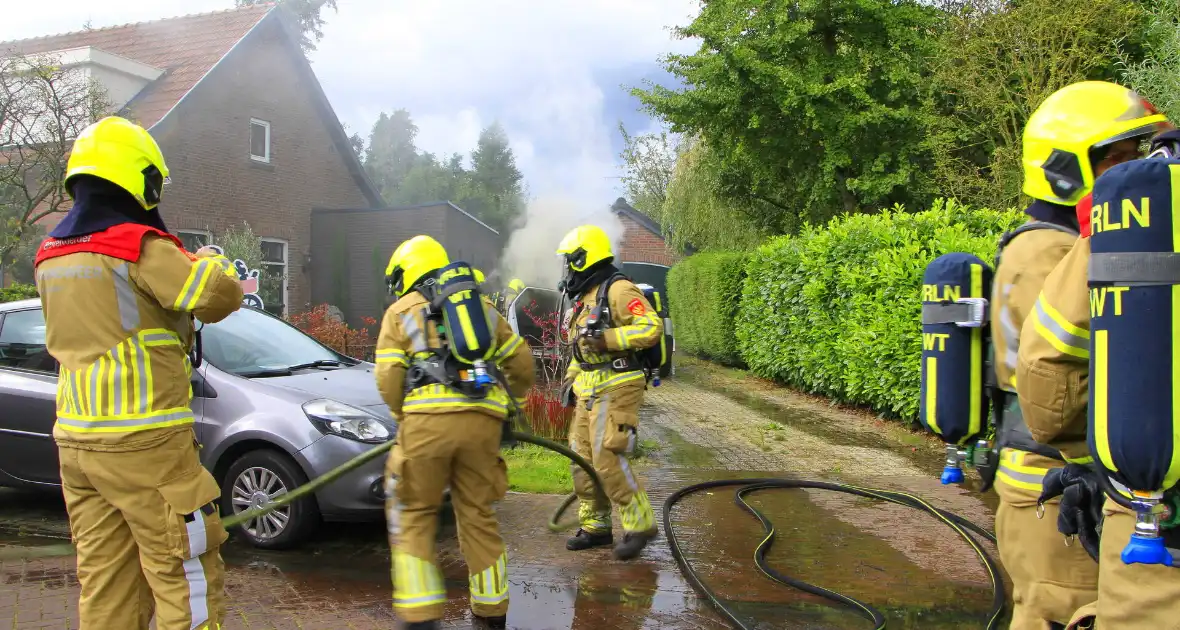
<point x="530" y="251"/>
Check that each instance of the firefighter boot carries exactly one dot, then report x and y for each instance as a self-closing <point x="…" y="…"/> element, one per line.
<point x="422" y="625"/>
<point x="488" y="623"/>
<point x="586" y="540"/>
<point x="633" y="543"/>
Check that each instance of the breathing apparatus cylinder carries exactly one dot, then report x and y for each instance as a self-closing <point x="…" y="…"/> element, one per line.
<point x="954" y="403"/>
<point x="1134" y="291"/>
<point x="465" y="323"/>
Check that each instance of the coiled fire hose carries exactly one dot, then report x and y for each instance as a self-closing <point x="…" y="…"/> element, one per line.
<point x="373" y="453"/>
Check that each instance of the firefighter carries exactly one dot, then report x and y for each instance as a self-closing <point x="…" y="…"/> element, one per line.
<point x="515" y="287"/>
<point x="446" y="436"/>
<point x="607" y="378"/>
<point x="119" y="295"/>
<point x="1079" y="127"/>
<point x="1053" y="368"/>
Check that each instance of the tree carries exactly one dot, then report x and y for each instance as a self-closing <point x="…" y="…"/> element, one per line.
<point x="648" y="163"/>
<point x="391" y="152"/>
<point x="307" y="15"/>
<point x="43" y="107"/>
<point x="1156" y="75"/>
<point x="997" y="62"/>
<point x="498" y="198"/>
<point x="810" y="107"/>
<point x="693" y="210"/>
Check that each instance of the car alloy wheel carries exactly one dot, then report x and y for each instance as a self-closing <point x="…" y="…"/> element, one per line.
<point x="257" y="487"/>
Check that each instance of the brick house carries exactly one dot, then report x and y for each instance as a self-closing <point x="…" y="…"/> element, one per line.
<point x="644" y="255"/>
<point x="246" y="128"/>
<point x="351" y="247"/>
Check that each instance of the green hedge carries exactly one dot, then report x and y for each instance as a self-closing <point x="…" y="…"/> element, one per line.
<point x="17" y="292"/>
<point x="704" y="292"/>
<point x="835" y="310"/>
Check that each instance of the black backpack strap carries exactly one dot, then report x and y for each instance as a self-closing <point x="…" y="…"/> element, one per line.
<point x="1029" y="227"/>
<point x="603" y="298"/>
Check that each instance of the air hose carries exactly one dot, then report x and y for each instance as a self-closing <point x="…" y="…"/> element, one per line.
<point x="373" y="453"/>
<point x="746" y="486"/>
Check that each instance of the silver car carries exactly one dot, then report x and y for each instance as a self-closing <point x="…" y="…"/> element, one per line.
<point x="273" y="408"/>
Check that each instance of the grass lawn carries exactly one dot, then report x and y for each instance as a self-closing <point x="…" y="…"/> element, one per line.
<point x="537" y="470"/>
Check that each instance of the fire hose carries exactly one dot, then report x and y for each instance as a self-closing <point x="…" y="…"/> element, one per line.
<point x="960" y="525"/>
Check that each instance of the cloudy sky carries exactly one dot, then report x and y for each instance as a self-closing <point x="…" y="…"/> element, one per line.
<point x="554" y="72"/>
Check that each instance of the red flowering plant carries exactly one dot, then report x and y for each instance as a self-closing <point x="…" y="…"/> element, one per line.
<point x="543" y="411"/>
<point x="328" y="328"/>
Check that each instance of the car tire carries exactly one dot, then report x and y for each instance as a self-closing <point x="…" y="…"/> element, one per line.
<point x="266" y="471"/>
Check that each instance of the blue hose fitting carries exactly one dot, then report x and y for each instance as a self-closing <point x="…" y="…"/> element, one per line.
<point x="952" y="473"/>
<point x="1147" y="544"/>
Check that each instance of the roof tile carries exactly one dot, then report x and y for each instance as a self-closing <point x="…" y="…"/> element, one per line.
<point x="186" y="48"/>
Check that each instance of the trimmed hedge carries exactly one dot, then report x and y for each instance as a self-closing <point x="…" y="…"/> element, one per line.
<point x="17" y="292"/>
<point x="835" y="310"/>
<point x="704" y="292"/>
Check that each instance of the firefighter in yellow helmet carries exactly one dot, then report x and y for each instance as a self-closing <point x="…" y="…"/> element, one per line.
<point x="1098" y="123"/>
<point x="1077" y="134"/>
<point x="515" y="287"/>
<point x="606" y="328"/>
<point x="119" y="295"/>
<point x="448" y="434"/>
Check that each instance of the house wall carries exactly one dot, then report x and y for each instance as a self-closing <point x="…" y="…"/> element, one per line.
<point x="641" y="245"/>
<point x="215" y="183"/>
<point x="350" y="249"/>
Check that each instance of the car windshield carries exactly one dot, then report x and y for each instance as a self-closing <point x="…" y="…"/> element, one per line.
<point x="250" y="343"/>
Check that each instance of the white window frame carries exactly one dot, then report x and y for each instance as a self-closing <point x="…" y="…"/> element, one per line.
<point x="265" y="125"/>
<point x="286" y="266"/>
<point x="206" y="233"/>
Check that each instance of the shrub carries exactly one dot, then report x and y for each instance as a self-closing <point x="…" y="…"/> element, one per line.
<point x="544" y="415"/>
<point x="17" y="292"/>
<point x="328" y="329"/>
<point x="835" y="310"/>
<point x="704" y="293"/>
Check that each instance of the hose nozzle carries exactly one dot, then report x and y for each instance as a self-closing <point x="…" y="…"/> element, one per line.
<point x="1147" y="544"/>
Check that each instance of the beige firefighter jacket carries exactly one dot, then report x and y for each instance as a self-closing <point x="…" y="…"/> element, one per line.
<point x="122" y="332"/>
<point x="634" y="326"/>
<point x="1053" y="364"/>
<point x="405" y="335"/>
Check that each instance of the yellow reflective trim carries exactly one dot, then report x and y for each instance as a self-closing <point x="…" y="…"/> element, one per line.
<point x="1084" y="459"/>
<point x="1060" y="319"/>
<point x="194" y="285"/>
<point x="976" y="421"/>
<point x="1051" y="337"/>
<point x="932" y="394"/>
<point x="466" y="325"/>
<point x="1100" y="387"/>
<point x="507" y="349"/>
<point x="620" y="341"/>
<point x="1172" y="476"/>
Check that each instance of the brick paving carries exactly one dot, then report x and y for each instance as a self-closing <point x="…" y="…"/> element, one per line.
<point x="341" y="579"/>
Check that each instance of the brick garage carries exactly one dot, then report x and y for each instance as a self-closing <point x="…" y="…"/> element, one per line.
<point x="247" y="131"/>
<point x="643" y="253"/>
<point x="351" y="247"/>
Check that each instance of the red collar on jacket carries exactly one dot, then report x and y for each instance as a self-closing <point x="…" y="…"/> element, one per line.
<point x="123" y="241"/>
<point x="1083" y="209"/>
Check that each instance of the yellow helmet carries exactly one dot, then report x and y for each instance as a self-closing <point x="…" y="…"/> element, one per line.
<point x="411" y="261"/>
<point x="123" y="153"/>
<point x="585" y="246"/>
<point x="478" y="275"/>
<point x="1062" y="134"/>
<point x="516" y="286"/>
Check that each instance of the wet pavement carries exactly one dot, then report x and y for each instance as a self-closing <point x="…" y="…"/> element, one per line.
<point x="907" y="564"/>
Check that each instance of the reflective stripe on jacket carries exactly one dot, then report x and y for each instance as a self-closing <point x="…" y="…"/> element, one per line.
<point x="634" y="326"/>
<point x="405" y="335"/>
<point x="121" y="329"/>
<point x="1053" y="364"/>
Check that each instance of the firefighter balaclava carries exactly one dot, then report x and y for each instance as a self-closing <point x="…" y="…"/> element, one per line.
<point x="586" y="257"/>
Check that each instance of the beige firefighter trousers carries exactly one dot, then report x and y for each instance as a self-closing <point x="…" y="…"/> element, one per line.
<point x="605" y="435"/>
<point x="147" y="529"/>
<point x="434" y="451"/>
<point x="1129" y="595"/>
<point x="1050" y="580"/>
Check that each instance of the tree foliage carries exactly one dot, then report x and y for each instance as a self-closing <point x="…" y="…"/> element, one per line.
<point x="492" y="189"/>
<point x="1156" y="75"/>
<point x="811" y="107"/>
<point x="649" y="161"/>
<point x="43" y="107"/>
<point x="996" y="62"/>
<point x="694" y="210"/>
<point x="306" y="14"/>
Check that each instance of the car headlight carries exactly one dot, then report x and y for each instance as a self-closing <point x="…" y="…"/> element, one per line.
<point x="346" y="421"/>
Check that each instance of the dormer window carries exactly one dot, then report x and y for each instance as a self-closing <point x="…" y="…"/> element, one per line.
<point x="259" y="140"/>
